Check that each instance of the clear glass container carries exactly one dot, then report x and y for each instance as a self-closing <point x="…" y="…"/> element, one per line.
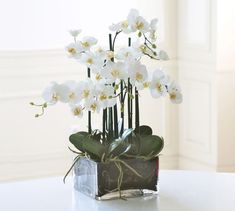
<point x="100" y="180"/>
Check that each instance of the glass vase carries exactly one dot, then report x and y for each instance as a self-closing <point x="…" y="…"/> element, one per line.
<point x="100" y="180"/>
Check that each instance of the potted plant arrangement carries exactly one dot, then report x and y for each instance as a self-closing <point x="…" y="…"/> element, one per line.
<point x="119" y="159"/>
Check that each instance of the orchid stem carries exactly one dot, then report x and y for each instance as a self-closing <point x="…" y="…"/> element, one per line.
<point x="122" y="109"/>
<point x="137" y="116"/>
<point x="115" y="114"/>
<point x="110" y="129"/>
<point x="104" y="125"/>
<point x="129" y="105"/>
<point x="89" y="112"/>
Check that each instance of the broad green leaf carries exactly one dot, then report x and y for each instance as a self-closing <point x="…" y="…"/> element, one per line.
<point x="118" y="147"/>
<point x="93" y="147"/>
<point x="126" y="133"/>
<point x="77" y="140"/>
<point x="83" y="142"/>
<point x="144" y="130"/>
<point x="135" y="145"/>
<point x="151" y="144"/>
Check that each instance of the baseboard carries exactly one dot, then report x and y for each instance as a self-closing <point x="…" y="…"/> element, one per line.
<point x="224" y="168"/>
<point x="186" y="163"/>
<point x="169" y="162"/>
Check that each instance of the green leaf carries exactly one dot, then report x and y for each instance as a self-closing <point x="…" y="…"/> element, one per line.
<point x="83" y="133"/>
<point x="83" y="142"/>
<point x="151" y="145"/>
<point x="144" y="130"/>
<point x="135" y="145"/>
<point x="93" y="148"/>
<point x="77" y="140"/>
<point x="118" y="148"/>
<point x="127" y="133"/>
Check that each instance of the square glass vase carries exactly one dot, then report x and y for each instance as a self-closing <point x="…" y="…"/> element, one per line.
<point x="100" y="180"/>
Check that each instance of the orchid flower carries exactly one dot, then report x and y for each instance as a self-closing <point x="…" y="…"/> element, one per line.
<point x="56" y="92"/>
<point x="158" y="84"/>
<point x="175" y="93"/>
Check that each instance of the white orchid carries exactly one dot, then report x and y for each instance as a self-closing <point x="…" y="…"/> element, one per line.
<point x="105" y="95"/>
<point x="104" y="54"/>
<point x="121" y="26"/>
<point x="75" y="32"/>
<point x="144" y="85"/>
<point x="77" y="110"/>
<point x="99" y="52"/>
<point x="132" y="15"/>
<point x="162" y="55"/>
<point x="109" y="55"/>
<point x="175" y="93"/>
<point x="137" y="73"/>
<point x="139" y="47"/>
<point x="129" y="54"/>
<point x="114" y="71"/>
<point x="74" y="50"/>
<point x="87" y="42"/>
<point x="74" y="95"/>
<point x="91" y="60"/>
<point x="56" y="92"/>
<point x="136" y="22"/>
<point x="152" y="30"/>
<point x="153" y="24"/>
<point x="115" y="27"/>
<point x="92" y="105"/>
<point x="158" y="85"/>
<point x="98" y="77"/>
<point x="86" y="89"/>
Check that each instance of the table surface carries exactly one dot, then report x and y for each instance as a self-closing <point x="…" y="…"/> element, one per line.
<point x="179" y="191"/>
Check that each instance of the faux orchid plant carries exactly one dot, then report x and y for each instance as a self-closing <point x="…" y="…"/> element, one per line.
<point x="114" y="80"/>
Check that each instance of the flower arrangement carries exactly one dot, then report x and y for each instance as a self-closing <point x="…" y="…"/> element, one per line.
<point x="114" y="80"/>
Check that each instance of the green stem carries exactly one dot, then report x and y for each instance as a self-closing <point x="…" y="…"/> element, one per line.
<point x="115" y="121"/>
<point x="110" y="129"/>
<point x="137" y="117"/>
<point x="89" y="112"/>
<point x="129" y="103"/>
<point x="115" y="114"/>
<point x="74" y="162"/>
<point x="122" y="109"/>
<point x="114" y="39"/>
<point x="104" y="125"/>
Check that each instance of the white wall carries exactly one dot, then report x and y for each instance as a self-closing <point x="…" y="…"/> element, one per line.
<point x="44" y="24"/>
<point x="196" y="59"/>
<point x="206" y="69"/>
<point x="225" y="79"/>
<point x="32" y="147"/>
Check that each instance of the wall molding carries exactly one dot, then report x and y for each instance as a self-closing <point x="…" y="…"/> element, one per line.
<point x="39" y="63"/>
<point x="32" y="157"/>
<point x="55" y="166"/>
<point x="19" y="95"/>
<point x="206" y="45"/>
